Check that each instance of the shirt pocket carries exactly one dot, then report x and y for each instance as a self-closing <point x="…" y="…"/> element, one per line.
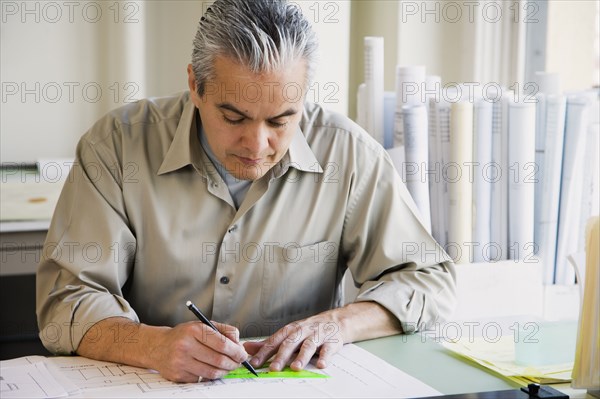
<point x="298" y="281"/>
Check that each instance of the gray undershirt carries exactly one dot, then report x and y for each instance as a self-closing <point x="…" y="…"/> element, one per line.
<point x="237" y="188"/>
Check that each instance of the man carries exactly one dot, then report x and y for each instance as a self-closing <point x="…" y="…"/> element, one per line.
<point x="245" y="200"/>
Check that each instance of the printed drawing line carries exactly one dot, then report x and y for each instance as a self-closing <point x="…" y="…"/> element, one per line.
<point x="352" y="372"/>
<point x="97" y="376"/>
<point x="100" y="376"/>
<point x="38" y="384"/>
<point x="6" y="386"/>
<point x="363" y="371"/>
<point x="28" y="380"/>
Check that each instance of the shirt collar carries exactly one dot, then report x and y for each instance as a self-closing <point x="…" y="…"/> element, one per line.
<point x="186" y="150"/>
<point x="299" y="156"/>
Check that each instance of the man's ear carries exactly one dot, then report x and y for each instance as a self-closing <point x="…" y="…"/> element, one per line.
<point x="192" y="83"/>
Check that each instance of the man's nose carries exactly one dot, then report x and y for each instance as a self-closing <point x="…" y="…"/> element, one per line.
<point x="256" y="139"/>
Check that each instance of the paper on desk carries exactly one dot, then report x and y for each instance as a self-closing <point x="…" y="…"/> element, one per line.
<point x="499" y="356"/>
<point x="31" y="380"/>
<point x="353" y="372"/>
<point x="23" y="363"/>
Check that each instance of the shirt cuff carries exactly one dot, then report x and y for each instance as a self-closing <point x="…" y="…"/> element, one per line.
<point x="63" y="334"/>
<point x="415" y="310"/>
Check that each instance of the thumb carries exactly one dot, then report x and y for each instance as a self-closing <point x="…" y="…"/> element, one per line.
<point x="252" y="347"/>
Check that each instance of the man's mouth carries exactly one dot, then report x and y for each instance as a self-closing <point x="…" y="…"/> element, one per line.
<point x="249" y="161"/>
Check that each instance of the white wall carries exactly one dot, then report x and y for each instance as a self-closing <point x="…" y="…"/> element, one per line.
<point x="570" y="50"/>
<point x="63" y="66"/>
<point x="40" y="60"/>
<point x="428" y="35"/>
<point x="331" y="22"/>
<point x="372" y="18"/>
<point x="443" y="35"/>
<point x="413" y="35"/>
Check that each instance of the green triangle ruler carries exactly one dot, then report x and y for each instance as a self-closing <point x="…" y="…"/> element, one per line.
<point x="266" y="373"/>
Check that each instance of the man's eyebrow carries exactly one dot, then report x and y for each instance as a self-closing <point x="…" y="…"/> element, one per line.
<point x="232" y="108"/>
<point x="287" y="112"/>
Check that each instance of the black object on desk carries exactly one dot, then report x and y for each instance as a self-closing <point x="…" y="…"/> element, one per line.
<point x="532" y="391"/>
<point x="543" y="391"/>
<point x="18" y="324"/>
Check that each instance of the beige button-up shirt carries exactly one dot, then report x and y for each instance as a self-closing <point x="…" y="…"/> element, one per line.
<point x="145" y="223"/>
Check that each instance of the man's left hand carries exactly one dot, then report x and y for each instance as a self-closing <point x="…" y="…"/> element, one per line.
<point x="296" y="343"/>
<point x="325" y="333"/>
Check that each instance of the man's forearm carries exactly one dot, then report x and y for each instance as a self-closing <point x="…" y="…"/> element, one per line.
<point x="360" y="321"/>
<point x="182" y="353"/>
<point x="296" y="343"/>
<point x="121" y="340"/>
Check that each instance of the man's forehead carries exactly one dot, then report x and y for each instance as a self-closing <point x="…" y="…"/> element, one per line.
<point x="283" y="112"/>
<point x="230" y="62"/>
<point x="235" y="83"/>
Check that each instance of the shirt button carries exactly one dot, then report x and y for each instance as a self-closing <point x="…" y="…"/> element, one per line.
<point x="224" y="280"/>
<point x="232" y="229"/>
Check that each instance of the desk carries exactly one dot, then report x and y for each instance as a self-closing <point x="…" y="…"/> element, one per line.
<point x="20" y="250"/>
<point x="433" y="364"/>
<point x="422" y="358"/>
<point x="28" y="199"/>
<point x="439" y="368"/>
<point x="21" y="244"/>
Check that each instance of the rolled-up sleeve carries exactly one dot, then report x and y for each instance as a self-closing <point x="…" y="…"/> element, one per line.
<point x="392" y="257"/>
<point x="89" y="250"/>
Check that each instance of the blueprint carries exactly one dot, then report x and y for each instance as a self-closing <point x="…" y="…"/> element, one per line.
<point x="30" y="380"/>
<point x="353" y="372"/>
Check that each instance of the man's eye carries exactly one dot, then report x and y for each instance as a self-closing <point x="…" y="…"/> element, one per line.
<point x="277" y="124"/>
<point x="233" y="121"/>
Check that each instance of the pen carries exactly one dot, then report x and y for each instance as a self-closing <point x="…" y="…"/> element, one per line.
<point x="204" y="320"/>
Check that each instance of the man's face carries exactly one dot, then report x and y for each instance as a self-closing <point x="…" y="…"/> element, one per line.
<point x="249" y="119"/>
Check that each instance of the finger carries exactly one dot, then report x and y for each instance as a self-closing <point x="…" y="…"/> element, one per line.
<point x="229" y="331"/>
<point x="286" y="350"/>
<point x="219" y="344"/>
<point x="307" y="350"/>
<point x="325" y="353"/>
<point x="180" y="368"/>
<point x="182" y="376"/>
<point x="192" y="363"/>
<point x="267" y="348"/>
<point x="205" y="370"/>
<point x="217" y="360"/>
<point x="252" y="347"/>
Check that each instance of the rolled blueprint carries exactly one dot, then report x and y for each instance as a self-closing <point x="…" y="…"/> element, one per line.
<point x="459" y="174"/>
<point x="416" y="150"/>
<point x="374" y="87"/>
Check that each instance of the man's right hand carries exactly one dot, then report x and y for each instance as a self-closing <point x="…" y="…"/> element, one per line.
<point x="192" y="350"/>
<point x="184" y="353"/>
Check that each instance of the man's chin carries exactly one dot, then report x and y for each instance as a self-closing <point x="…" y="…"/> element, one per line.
<point x="254" y="172"/>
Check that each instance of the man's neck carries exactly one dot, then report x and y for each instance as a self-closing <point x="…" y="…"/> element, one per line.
<point x="237" y="188"/>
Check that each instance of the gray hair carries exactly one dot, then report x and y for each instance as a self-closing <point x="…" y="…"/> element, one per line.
<point x="263" y="35"/>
